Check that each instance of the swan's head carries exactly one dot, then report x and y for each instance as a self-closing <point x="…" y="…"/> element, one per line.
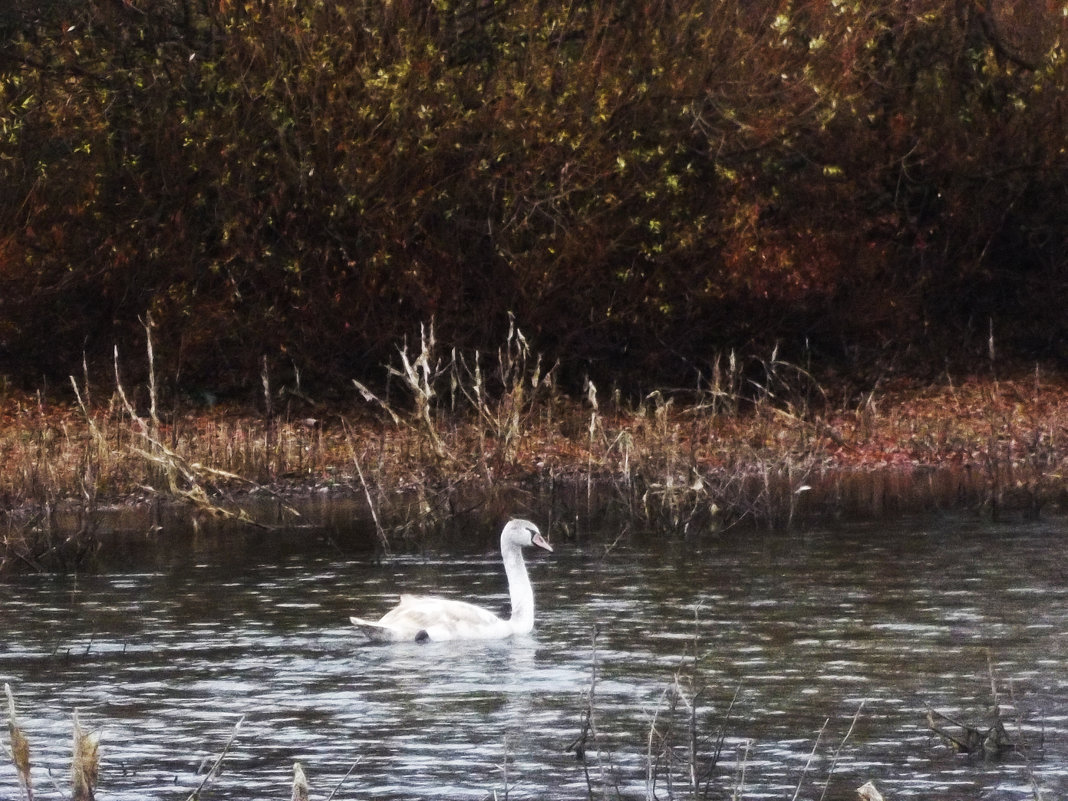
<point x="524" y="534"/>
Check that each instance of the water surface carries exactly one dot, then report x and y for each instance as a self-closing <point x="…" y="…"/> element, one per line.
<point x="802" y="630"/>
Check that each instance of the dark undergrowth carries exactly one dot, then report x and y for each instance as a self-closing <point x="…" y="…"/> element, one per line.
<point x="646" y="187"/>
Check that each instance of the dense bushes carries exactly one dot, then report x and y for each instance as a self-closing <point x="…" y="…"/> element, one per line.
<point x="643" y="184"/>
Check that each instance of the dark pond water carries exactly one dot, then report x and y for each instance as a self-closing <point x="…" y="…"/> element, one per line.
<point x="802" y="630"/>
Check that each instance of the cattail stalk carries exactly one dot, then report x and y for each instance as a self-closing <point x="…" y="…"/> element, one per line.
<point x="20" y="746"/>
<point x="85" y="763"/>
<point x="300" y="783"/>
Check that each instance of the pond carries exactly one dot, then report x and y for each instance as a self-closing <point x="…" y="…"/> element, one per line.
<point x="807" y="659"/>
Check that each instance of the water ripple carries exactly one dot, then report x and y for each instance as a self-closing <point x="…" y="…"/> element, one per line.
<point x="801" y="631"/>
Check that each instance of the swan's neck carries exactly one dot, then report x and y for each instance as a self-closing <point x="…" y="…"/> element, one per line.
<point x="519" y="589"/>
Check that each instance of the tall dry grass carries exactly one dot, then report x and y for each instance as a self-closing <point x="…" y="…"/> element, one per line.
<point x="753" y="442"/>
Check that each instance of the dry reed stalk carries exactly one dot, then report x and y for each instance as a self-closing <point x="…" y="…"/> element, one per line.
<point x="152" y="394"/>
<point x="1032" y="780"/>
<point x="211" y="774"/>
<point x="419" y="376"/>
<point x="348" y="773"/>
<point x="868" y="792"/>
<point x="85" y="763"/>
<point x="651" y="765"/>
<point x="300" y="783"/>
<point x="590" y="732"/>
<point x="503" y="767"/>
<point x="838" y="751"/>
<point x="739" y="779"/>
<point x="382" y="538"/>
<point x="504" y="416"/>
<point x="811" y="756"/>
<point x="502" y="395"/>
<point x="175" y="468"/>
<point x="20" y="746"/>
<point x="665" y="741"/>
<point x="721" y="738"/>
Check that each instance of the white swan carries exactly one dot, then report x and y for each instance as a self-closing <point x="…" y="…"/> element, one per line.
<point x="420" y="618"/>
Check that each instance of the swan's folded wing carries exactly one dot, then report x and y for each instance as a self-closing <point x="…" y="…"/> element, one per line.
<point x="428" y="610"/>
<point x="425" y="617"/>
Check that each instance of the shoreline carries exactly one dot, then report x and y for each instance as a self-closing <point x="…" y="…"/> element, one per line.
<point x="995" y="447"/>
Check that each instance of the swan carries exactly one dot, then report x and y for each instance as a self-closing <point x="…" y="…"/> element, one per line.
<point x="420" y="618"/>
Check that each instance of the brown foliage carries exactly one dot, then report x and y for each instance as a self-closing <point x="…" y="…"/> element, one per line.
<point x="643" y="185"/>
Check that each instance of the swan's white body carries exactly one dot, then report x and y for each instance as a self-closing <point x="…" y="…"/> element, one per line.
<point x="418" y="618"/>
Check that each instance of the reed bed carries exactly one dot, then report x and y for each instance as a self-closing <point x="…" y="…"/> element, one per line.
<point x="748" y="442"/>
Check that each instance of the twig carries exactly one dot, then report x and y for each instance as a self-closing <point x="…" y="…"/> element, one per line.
<point x="370" y="397"/>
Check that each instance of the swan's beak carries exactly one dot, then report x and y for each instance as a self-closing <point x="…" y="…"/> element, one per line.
<point x="541" y="542"/>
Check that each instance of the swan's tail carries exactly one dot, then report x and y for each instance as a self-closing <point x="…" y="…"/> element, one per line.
<point x="375" y="632"/>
